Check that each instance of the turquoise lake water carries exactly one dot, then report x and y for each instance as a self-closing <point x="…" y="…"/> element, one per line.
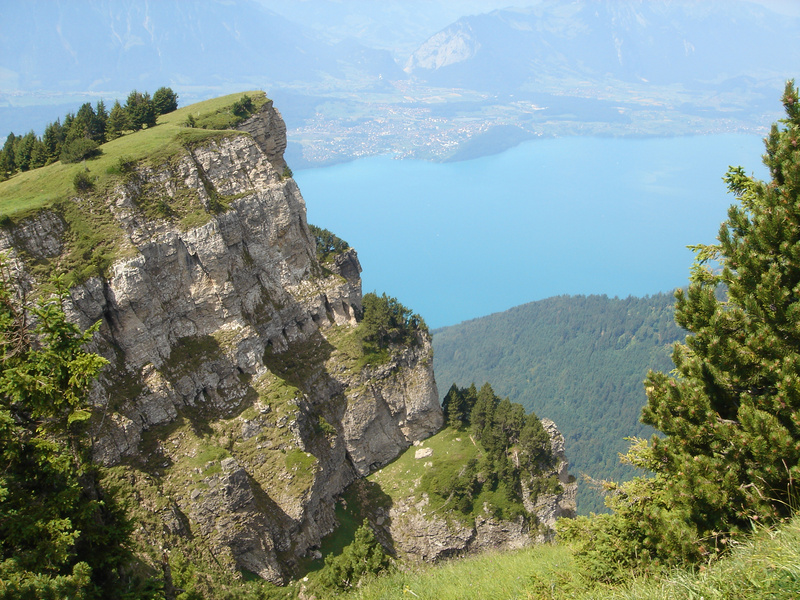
<point x="456" y="241"/>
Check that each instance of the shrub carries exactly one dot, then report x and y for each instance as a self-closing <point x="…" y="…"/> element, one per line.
<point x="387" y="322"/>
<point x="243" y="107"/>
<point x="78" y="149"/>
<point x="82" y="182"/>
<point x="364" y="557"/>
<point x="328" y="244"/>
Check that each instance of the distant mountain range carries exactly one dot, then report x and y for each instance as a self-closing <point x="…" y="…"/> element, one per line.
<point x="344" y="72"/>
<point x="692" y="44"/>
<point x="115" y="44"/>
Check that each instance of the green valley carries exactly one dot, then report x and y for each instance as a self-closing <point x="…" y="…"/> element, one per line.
<point x="578" y="360"/>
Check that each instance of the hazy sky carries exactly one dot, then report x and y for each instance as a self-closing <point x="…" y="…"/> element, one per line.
<point x="402" y="25"/>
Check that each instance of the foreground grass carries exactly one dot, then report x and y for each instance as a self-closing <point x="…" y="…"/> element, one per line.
<point x="492" y="575"/>
<point x="766" y="567"/>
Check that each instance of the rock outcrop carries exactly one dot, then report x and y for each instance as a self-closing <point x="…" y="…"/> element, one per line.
<point x="420" y="533"/>
<point x="233" y="407"/>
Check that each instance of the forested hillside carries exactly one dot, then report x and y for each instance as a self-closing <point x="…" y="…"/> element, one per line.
<point x="578" y="360"/>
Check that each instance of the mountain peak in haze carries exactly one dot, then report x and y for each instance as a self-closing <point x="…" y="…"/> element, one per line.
<point x="630" y="41"/>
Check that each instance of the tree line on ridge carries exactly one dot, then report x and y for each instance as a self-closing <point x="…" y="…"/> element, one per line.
<point x="81" y="133"/>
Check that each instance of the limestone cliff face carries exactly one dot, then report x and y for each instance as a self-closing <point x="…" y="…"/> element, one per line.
<point x="232" y="407"/>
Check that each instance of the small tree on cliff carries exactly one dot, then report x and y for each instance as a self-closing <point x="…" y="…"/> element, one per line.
<point x="730" y="415"/>
<point x="386" y="321"/>
<point x="363" y="557"/>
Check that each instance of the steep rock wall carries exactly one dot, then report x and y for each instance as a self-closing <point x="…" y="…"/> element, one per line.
<point x="232" y="408"/>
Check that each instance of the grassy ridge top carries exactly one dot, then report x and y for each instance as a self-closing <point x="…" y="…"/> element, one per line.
<point x="29" y="192"/>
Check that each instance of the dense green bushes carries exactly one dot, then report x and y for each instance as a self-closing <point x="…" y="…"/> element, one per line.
<point x="515" y="447"/>
<point x="328" y="244"/>
<point x="387" y="322"/>
<point x="363" y="558"/>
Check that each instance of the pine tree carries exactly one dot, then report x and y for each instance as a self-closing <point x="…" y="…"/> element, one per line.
<point x="730" y="415"/>
<point x="53" y="138"/>
<point x="165" y="101"/>
<point x="141" y="111"/>
<point x="482" y="415"/>
<point x="453" y="408"/>
<point x="117" y="121"/>
<point x="59" y="529"/>
<point x="8" y="153"/>
<point x="363" y="557"/>
<point x="534" y="444"/>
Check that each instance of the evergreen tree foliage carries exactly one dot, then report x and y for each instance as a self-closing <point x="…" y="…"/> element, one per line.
<point x="75" y="149"/>
<point x="7" y="159"/>
<point x="89" y="124"/>
<point x="83" y="132"/>
<point x="578" y="360"/>
<point x="117" y="122"/>
<point x="363" y="557"/>
<point x="730" y="412"/>
<point x="482" y="415"/>
<point x="61" y="533"/>
<point x="165" y="101"/>
<point x="514" y="447"/>
<point x="454" y="408"/>
<point x="328" y="244"/>
<point x="54" y="136"/>
<point x="23" y="149"/>
<point x="386" y="321"/>
<point x="731" y="416"/>
<point x="141" y="111"/>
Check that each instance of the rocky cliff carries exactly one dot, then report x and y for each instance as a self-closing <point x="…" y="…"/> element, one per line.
<point x="416" y="529"/>
<point x="239" y="403"/>
<point x="235" y="408"/>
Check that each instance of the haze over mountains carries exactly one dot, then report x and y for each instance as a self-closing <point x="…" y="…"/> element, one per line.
<point x="336" y="69"/>
<point x="695" y="45"/>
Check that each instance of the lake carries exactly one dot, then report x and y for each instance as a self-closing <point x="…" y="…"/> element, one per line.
<point x="455" y="241"/>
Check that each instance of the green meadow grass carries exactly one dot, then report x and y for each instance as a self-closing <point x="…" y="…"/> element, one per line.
<point x="95" y="239"/>
<point x="28" y="192"/>
<point x="765" y="567"/>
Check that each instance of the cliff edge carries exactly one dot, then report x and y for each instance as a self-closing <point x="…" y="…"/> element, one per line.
<point x="236" y="407"/>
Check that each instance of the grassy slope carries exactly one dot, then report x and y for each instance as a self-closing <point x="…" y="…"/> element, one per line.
<point x="94" y="239"/>
<point x="767" y="567"/>
<point x="41" y="188"/>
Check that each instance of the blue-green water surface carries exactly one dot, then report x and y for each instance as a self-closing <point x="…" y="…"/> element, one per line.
<point x="456" y="241"/>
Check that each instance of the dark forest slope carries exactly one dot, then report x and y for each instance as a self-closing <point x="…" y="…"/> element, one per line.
<point x="579" y="360"/>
